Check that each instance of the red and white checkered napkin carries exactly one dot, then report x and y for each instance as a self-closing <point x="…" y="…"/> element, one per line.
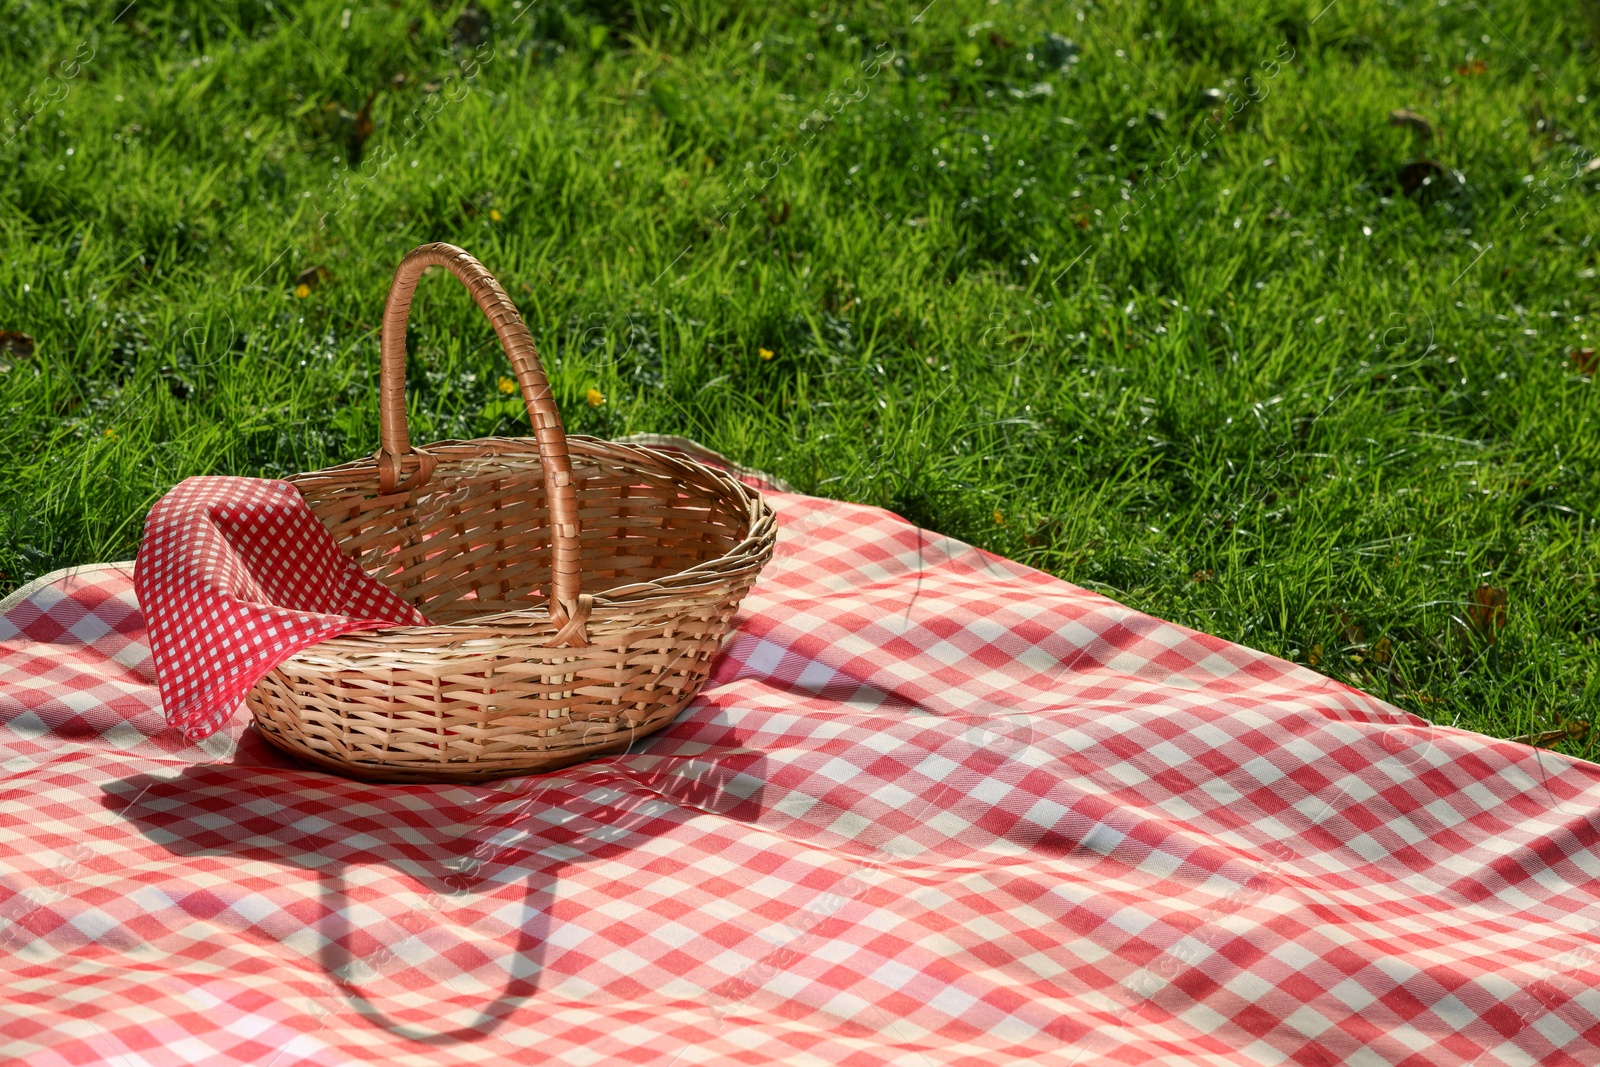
<point x="234" y="576"/>
<point x="934" y="809"/>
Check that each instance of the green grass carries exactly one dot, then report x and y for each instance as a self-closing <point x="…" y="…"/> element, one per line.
<point x="1204" y="354"/>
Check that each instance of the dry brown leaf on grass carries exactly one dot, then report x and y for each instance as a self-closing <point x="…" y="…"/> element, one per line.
<point x="470" y="28"/>
<point x="360" y="130"/>
<point x="16" y="343"/>
<point x="364" y="117"/>
<point x="1350" y="630"/>
<point x="314" y="276"/>
<point x="1421" y="176"/>
<point x="1487" y="612"/>
<point x="1584" y="358"/>
<point x="1045" y="532"/>
<point x="1403" y="116"/>
<point x="1575" y="730"/>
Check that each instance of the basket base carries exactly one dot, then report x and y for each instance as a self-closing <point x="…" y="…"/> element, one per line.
<point x="448" y="773"/>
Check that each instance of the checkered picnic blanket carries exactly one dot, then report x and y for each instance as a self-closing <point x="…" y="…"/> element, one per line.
<point x="934" y="808"/>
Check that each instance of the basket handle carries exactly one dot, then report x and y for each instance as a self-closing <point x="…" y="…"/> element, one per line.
<point x="567" y="609"/>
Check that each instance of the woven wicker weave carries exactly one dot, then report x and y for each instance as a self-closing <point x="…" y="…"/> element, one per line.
<point x="578" y="588"/>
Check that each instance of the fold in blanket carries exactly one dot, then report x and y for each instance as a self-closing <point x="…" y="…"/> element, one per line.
<point x="234" y="576"/>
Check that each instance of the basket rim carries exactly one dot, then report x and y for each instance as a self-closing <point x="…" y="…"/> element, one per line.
<point x="752" y="551"/>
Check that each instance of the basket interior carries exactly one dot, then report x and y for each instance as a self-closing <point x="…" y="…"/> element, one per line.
<point x="475" y="540"/>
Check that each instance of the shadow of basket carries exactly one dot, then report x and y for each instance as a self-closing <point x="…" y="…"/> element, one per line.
<point x="456" y="907"/>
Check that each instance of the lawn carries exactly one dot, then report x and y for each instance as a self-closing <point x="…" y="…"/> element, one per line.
<point x="1160" y="297"/>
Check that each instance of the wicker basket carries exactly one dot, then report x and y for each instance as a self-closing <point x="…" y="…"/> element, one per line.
<point x="578" y="588"/>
